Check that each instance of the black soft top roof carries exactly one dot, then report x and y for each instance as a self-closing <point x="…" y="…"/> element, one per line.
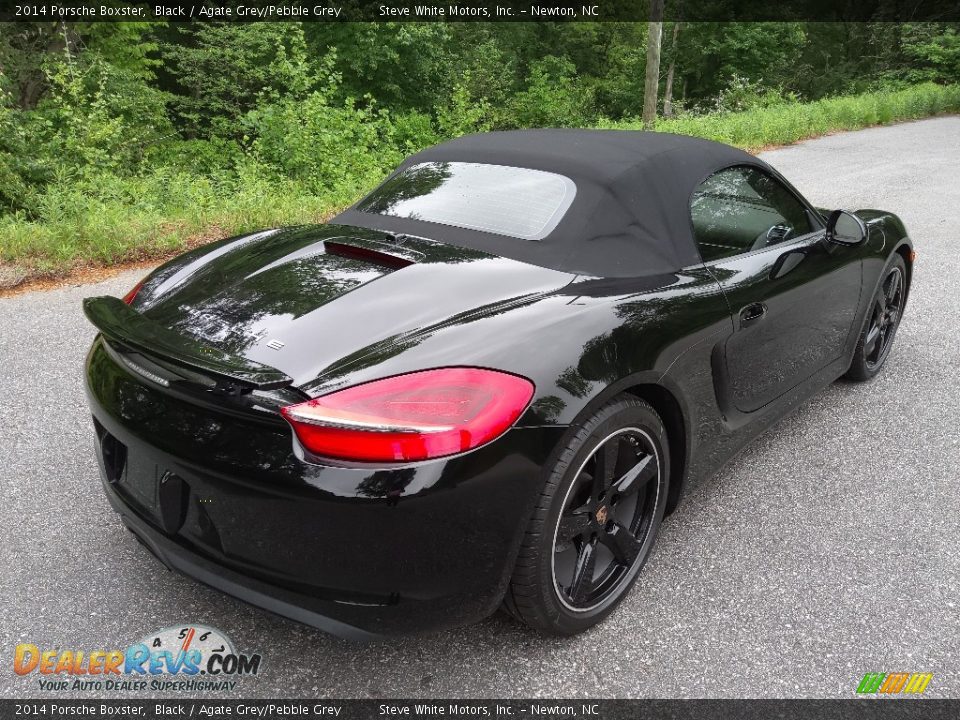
<point x="631" y="213"/>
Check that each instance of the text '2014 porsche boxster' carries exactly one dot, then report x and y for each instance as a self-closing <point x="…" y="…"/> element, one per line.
<point x="485" y="383"/>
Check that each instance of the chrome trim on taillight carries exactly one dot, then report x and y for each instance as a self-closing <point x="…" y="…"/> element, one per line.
<point x="361" y="425"/>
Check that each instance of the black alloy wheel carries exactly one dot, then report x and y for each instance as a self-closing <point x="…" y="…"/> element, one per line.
<point x="606" y="515"/>
<point x="883" y="319"/>
<point x="596" y="520"/>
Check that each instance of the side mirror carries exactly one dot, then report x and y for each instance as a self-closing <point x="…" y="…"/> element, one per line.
<point x="845" y="228"/>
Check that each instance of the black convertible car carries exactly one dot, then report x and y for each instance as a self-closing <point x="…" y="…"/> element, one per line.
<point x="486" y="382"/>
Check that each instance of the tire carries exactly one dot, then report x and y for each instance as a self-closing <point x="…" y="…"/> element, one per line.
<point x="880" y="327"/>
<point x="578" y="528"/>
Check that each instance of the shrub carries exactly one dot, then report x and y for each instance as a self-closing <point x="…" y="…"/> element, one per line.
<point x="413" y="131"/>
<point x="98" y="118"/>
<point x="334" y="150"/>
<point x="788" y="122"/>
<point x="553" y="96"/>
<point x="462" y="115"/>
<point x="305" y="159"/>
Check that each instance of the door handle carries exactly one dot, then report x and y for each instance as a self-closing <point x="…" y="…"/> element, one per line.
<point x="752" y="313"/>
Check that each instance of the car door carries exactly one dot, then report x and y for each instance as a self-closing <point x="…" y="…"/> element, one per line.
<point x="791" y="294"/>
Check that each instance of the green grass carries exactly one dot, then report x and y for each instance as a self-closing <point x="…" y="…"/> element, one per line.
<point x="107" y="219"/>
<point x="113" y="220"/>
<point x="788" y="123"/>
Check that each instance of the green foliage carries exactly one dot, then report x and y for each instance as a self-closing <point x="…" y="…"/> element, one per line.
<point x="462" y="114"/>
<point x="112" y="219"/>
<point x="785" y="123"/>
<point x="332" y="149"/>
<point x="402" y="65"/>
<point x="109" y="218"/>
<point x="618" y="84"/>
<point x="220" y="70"/>
<point x="17" y="175"/>
<point x="553" y="96"/>
<point x="413" y="130"/>
<point x="485" y="69"/>
<point x="713" y="53"/>
<point x="129" y="47"/>
<point x="215" y="157"/>
<point x="99" y="116"/>
<point x="130" y="140"/>
<point x="95" y="117"/>
<point x="934" y="51"/>
<point x="743" y="94"/>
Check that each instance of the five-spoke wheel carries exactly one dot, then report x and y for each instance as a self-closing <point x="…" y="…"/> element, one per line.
<point x="596" y="520"/>
<point x="885" y="315"/>
<point x="606" y="515"/>
<point x="883" y="318"/>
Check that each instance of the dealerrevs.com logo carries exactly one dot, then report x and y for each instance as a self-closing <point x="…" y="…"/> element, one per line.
<point x="186" y="657"/>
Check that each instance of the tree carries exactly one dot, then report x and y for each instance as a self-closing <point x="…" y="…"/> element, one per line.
<point x="652" y="80"/>
<point x="769" y="53"/>
<point x="403" y="65"/>
<point x="671" y="69"/>
<point x="616" y="71"/>
<point x="933" y="52"/>
<point x="28" y="48"/>
<point x="552" y="97"/>
<point x="218" y="71"/>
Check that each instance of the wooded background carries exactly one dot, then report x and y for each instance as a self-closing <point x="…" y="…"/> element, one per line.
<point x="120" y="141"/>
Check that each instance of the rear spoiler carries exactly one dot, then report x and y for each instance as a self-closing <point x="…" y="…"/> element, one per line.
<point x="120" y="323"/>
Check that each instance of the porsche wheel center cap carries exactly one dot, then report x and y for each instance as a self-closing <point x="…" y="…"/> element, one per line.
<point x="601" y="515"/>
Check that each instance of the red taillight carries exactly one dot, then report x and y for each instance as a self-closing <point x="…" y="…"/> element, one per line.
<point x="130" y="296"/>
<point x="418" y="416"/>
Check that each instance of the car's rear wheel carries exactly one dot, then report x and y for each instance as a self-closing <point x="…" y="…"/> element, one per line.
<point x="883" y="319"/>
<point x="596" y="521"/>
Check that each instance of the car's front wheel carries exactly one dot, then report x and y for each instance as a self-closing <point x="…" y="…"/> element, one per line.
<point x="883" y="319"/>
<point x="595" y="522"/>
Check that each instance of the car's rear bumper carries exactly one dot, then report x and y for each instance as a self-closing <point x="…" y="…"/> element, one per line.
<point x="353" y="551"/>
<point x="295" y="606"/>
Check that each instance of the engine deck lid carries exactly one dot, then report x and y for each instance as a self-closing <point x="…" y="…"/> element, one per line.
<point x="119" y="323"/>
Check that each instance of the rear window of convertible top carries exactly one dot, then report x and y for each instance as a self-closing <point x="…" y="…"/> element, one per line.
<point x="516" y="202"/>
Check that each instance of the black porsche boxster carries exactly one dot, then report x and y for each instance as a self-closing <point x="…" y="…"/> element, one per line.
<point x="485" y="383"/>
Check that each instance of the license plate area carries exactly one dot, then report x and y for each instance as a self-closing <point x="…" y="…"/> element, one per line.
<point x="134" y="476"/>
<point x="140" y="483"/>
<point x="155" y="493"/>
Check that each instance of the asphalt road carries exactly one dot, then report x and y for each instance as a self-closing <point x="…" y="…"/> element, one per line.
<point x="827" y="549"/>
